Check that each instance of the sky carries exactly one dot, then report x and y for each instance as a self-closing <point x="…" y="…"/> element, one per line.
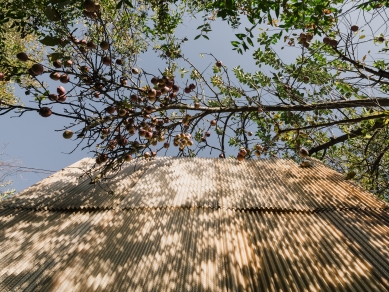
<point x="32" y="141"/>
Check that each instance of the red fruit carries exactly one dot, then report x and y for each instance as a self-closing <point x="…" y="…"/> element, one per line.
<point x="104" y="45"/>
<point x="96" y="94"/>
<point x="133" y="98"/>
<point x="1" y="76"/>
<point x="207" y="133"/>
<point x="203" y="139"/>
<point x="68" y="63"/>
<point x="22" y="57"/>
<point x="147" y="154"/>
<point x="221" y="155"/>
<point x="250" y="133"/>
<point x="166" y="145"/>
<point x="84" y="68"/>
<point x="158" y="93"/>
<point x="149" y="135"/>
<point x="111" y="109"/>
<point x="103" y="157"/>
<point x="192" y="86"/>
<point x="219" y="64"/>
<point x="61" y="90"/>
<point x="83" y="42"/>
<point x="334" y="43"/>
<point x="134" y="71"/>
<point x="354" y="28"/>
<point x="187" y="90"/>
<point x="61" y="98"/>
<point x="213" y="123"/>
<point x="240" y="157"/>
<point x="154" y="80"/>
<point x="175" y="88"/>
<point x="45" y="112"/>
<point x="119" y="62"/>
<point x="169" y="84"/>
<point x="106" y="60"/>
<point x="123" y="141"/>
<point x="151" y="93"/>
<point x="57" y="64"/>
<point x="55" y="76"/>
<point x="91" y="45"/>
<point x="89" y="6"/>
<point x="64" y="78"/>
<point x="127" y="157"/>
<point x="243" y="152"/>
<point x="53" y="97"/>
<point x="105" y="131"/>
<point x="326" y="40"/>
<point x="123" y="81"/>
<point x="122" y="112"/>
<point x="37" y="69"/>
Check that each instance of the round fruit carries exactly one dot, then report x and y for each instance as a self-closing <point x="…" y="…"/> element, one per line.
<point x="91" y="45"/>
<point x="55" y="76"/>
<point x="303" y="152"/>
<point x="68" y="63"/>
<point x="89" y="6"/>
<point x="354" y="28"/>
<point x="64" y="78"/>
<point x="123" y="81"/>
<point x="105" y="131"/>
<point x="106" y="60"/>
<point x="104" y="45"/>
<point x="213" y="123"/>
<point x="243" y="151"/>
<point x="207" y="133"/>
<point x="1" y="76"/>
<point x="240" y="157"/>
<point x="61" y="90"/>
<point x="122" y="112"/>
<point x="57" y="64"/>
<point x="166" y="145"/>
<point x="67" y="134"/>
<point x="334" y="43"/>
<point x="111" y="109"/>
<point x="22" y="57"/>
<point x="53" y="97"/>
<point x="326" y="40"/>
<point x="258" y="147"/>
<point x="154" y="80"/>
<point x="147" y="154"/>
<point x="119" y="62"/>
<point x="250" y="133"/>
<point x="127" y="157"/>
<point x="83" y="42"/>
<point x="257" y="153"/>
<point x="219" y="64"/>
<point x="187" y="90"/>
<point x="221" y="155"/>
<point x="134" y="71"/>
<point x="45" y="112"/>
<point x="37" y="69"/>
<point x="61" y="98"/>
<point x="133" y="98"/>
<point x="306" y="79"/>
<point x="192" y="86"/>
<point x="197" y="105"/>
<point x="151" y="93"/>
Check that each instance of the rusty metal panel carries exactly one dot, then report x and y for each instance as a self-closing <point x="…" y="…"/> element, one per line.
<point x="201" y="249"/>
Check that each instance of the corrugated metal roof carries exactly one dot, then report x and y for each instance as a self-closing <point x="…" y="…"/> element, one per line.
<point x="200" y="249"/>
<point x="195" y="224"/>
<point x="199" y="182"/>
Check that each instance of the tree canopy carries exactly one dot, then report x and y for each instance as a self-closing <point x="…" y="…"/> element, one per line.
<point x="320" y="88"/>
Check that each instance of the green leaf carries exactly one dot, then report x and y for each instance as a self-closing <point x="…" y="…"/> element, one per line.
<point x="206" y="37"/>
<point x="55" y="56"/>
<point x="250" y="42"/>
<point x="50" y="41"/>
<point x="362" y="37"/>
<point x="197" y="36"/>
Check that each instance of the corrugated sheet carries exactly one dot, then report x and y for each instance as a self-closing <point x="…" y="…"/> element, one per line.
<point x="200" y="182"/>
<point x="199" y="249"/>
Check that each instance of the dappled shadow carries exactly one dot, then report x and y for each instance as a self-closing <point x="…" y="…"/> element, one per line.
<point x="178" y="249"/>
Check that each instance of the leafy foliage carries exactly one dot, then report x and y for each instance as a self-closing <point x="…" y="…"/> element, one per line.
<point x="321" y="83"/>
